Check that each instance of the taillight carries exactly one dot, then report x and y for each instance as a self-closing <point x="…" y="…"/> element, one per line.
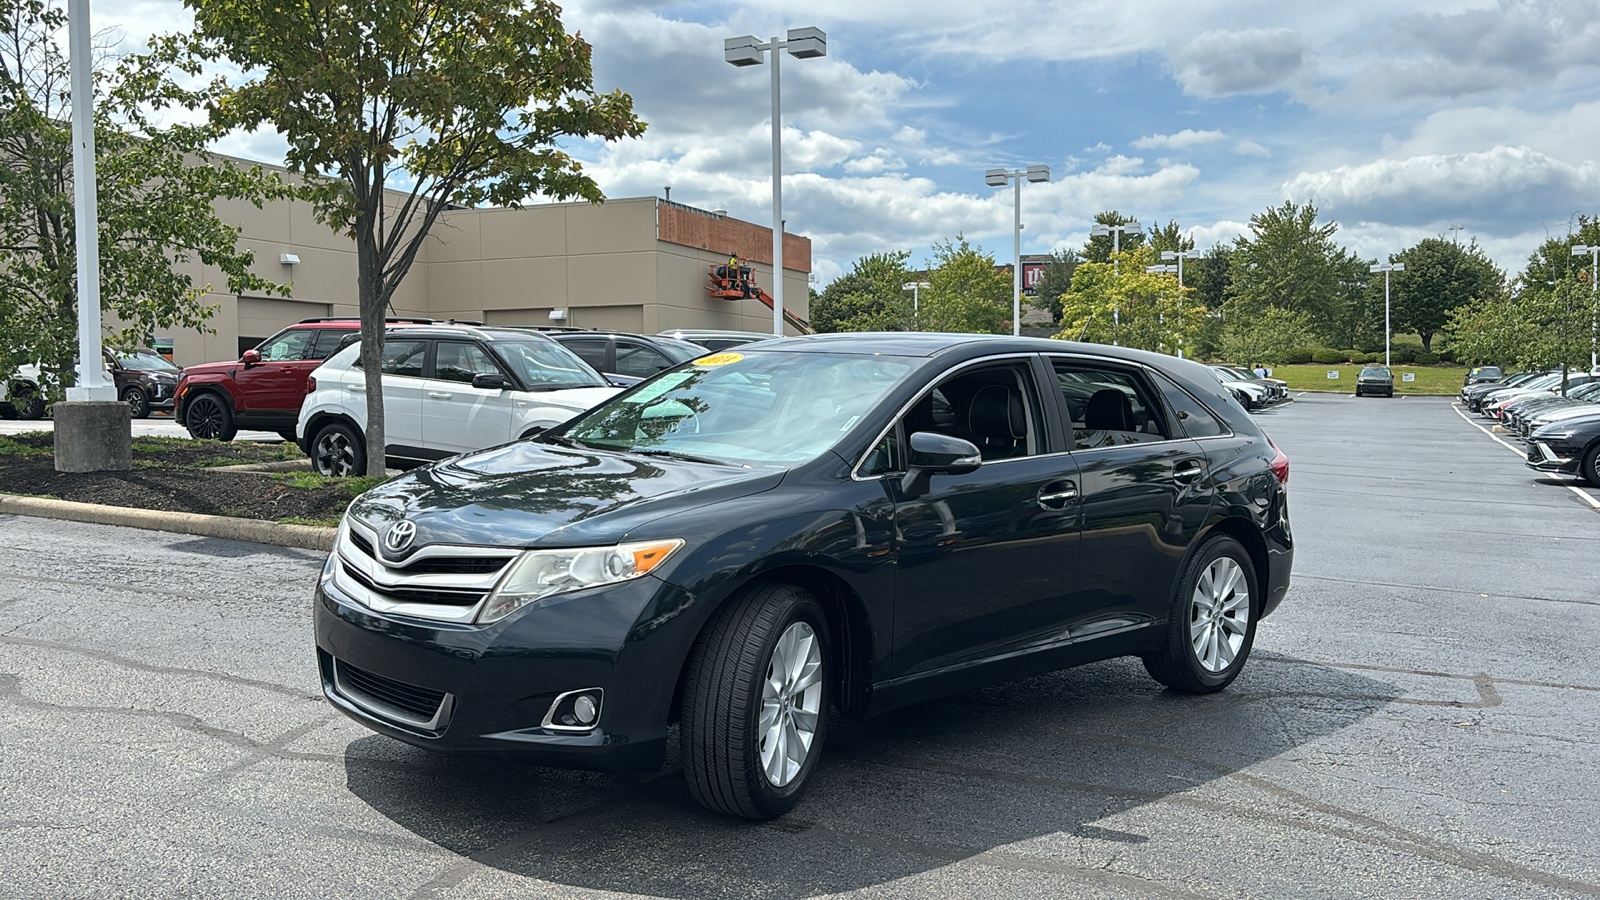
<point x="311" y="383"/>
<point x="1280" y="464"/>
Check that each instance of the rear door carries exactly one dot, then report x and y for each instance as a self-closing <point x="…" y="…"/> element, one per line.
<point x="457" y="417"/>
<point x="1145" y="486"/>
<point x="638" y="359"/>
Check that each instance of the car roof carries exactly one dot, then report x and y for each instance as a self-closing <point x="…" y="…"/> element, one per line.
<point x="717" y="332"/>
<point x="482" y="332"/>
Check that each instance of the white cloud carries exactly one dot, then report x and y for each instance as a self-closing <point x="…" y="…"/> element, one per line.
<point x="1181" y="140"/>
<point x="1251" y="148"/>
<point x="1218" y="63"/>
<point x="1505" y="183"/>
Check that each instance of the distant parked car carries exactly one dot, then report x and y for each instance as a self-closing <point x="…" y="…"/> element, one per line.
<point x="624" y="357"/>
<point x="1481" y="374"/>
<point x="145" y="380"/>
<point x="1567" y="447"/>
<point x="714" y="339"/>
<point x="447" y="389"/>
<point x="1375" y="381"/>
<point x="263" y="388"/>
<point x="21" y="397"/>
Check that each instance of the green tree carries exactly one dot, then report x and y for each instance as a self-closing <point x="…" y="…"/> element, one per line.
<point x="1492" y="330"/>
<point x="155" y="190"/>
<point x="968" y="294"/>
<point x="1266" y="337"/>
<point x="1439" y="276"/>
<point x="395" y="110"/>
<point x="1128" y="306"/>
<point x="1288" y="261"/>
<point x="1170" y="237"/>
<point x="1099" y="246"/>
<point x="869" y="297"/>
<point x="1056" y="281"/>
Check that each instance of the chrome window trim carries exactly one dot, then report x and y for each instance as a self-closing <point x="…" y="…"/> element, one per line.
<point x="855" y="470"/>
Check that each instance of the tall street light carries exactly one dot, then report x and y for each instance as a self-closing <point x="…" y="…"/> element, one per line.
<point x="802" y="43"/>
<point x="998" y="178"/>
<point x="1594" y="302"/>
<point x="1116" y="232"/>
<point x="915" y="287"/>
<point x="1386" y="268"/>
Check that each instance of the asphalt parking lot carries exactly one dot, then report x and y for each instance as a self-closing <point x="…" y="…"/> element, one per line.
<point x="1421" y="719"/>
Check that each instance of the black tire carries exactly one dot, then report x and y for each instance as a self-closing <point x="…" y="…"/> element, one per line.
<point x="208" y="418"/>
<point x="289" y="435"/>
<point x="138" y="402"/>
<point x="722" y="702"/>
<point x="1590" y="469"/>
<point x="1177" y="664"/>
<point x="29" y="403"/>
<point x="338" y="451"/>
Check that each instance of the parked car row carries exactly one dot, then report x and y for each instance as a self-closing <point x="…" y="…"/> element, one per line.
<point x="1561" y="431"/>
<point x="144" y="379"/>
<point x="1251" y="390"/>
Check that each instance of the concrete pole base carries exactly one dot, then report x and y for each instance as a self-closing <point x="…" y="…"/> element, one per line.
<point x="93" y="436"/>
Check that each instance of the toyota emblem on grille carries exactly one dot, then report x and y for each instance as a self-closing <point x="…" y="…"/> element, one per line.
<point x="400" y="536"/>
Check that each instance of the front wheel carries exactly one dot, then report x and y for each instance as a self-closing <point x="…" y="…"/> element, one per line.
<point x="138" y="402"/>
<point x="337" y="451"/>
<point x="755" y="702"/>
<point x="1212" y="621"/>
<point x="30" y="404"/>
<point x="209" y="419"/>
<point x="1591" y="465"/>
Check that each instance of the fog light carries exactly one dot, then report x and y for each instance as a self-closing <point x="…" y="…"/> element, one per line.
<point x="583" y="709"/>
<point x="575" y="710"/>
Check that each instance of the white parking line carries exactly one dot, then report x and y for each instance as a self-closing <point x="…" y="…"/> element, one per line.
<point x="1587" y="497"/>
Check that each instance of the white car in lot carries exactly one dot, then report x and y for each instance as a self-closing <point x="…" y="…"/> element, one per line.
<point x="447" y="389"/>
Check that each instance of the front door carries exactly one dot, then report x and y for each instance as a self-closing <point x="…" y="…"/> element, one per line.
<point x="457" y="417"/>
<point x="1145" y="493"/>
<point x="272" y="389"/>
<point x="987" y="561"/>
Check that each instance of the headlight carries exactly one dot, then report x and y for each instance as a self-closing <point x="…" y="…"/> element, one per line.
<point x="541" y="573"/>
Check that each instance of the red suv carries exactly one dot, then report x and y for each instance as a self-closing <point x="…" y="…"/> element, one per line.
<point x="263" y="390"/>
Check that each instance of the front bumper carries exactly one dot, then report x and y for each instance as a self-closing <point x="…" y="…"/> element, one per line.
<point x="490" y="688"/>
<point x="1545" y="456"/>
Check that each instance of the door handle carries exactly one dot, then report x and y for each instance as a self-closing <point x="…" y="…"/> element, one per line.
<point x="358" y="388"/>
<point x="1187" y="471"/>
<point x="439" y="395"/>
<point x="1056" y="494"/>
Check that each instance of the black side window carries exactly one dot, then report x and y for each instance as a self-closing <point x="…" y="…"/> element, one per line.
<point x="1108" y="405"/>
<point x="460" y="361"/>
<point x="327" y="343"/>
<point x="403" y="358"/>
<point x="994" y="407"/>
<point x="1193" y="417"/>
<point x="638" y="360"/>
<point x="591" y="351"/>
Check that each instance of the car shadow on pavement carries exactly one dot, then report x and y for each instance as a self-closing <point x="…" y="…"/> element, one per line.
<point x="896" y="795"/>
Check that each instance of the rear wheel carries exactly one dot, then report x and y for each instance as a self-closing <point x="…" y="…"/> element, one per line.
<point x="209" y="419"/>
<point x="1212" y="622"/>
<point x="755" y="702"/>
<point x="138" y="402"/>
<point x="1591" y="465"/>
<point x="288" y="435"/>
<point x="337" y="451"/>
<point x="29" y="403"/>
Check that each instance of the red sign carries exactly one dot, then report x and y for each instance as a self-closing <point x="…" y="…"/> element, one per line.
<point x="1032" y="274"/>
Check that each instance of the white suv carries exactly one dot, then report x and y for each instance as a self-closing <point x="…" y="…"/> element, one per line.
<point x="447" y="389"/>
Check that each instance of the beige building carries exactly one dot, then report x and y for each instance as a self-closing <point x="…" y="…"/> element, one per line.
<point x="636" y="264"/>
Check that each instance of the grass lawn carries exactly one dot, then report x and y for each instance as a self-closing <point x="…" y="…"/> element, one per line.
<point x="1430" y="379"/>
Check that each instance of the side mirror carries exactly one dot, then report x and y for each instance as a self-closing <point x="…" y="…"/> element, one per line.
<point x="937" y="454"/>
<point x="250" y="357"/>
<point x="495" y="382"/>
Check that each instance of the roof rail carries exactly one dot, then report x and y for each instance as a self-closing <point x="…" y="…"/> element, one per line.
<point x="413" y="320"/>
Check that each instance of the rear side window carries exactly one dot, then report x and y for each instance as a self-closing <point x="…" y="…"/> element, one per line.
<point x="327" y="343"/>
<point x="1109" y="406"/>
<point x="1193" y="417"/>
<point x="590" y="350"/>
<point x="638" y="360"/>
<point x="403" y="358"/>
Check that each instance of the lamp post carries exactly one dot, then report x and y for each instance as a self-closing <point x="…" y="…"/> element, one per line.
<point x="1594" y="302"/>
<point x="1180" y="256"/>
<point x="802" y="43"/>
<point x="915" y="287"/>
<point x="1386" y="268"/>
<point x="1455" y="237"/>
<point x="1116" y="232"/>
<point x="997" y="178"/>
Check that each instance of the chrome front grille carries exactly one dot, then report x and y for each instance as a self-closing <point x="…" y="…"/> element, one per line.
<point x="443" y="583"/>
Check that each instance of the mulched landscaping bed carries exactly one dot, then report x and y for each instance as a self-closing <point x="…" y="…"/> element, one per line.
<point x="178" y="475"/>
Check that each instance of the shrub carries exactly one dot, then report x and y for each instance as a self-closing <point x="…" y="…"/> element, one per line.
<point x="1404" y="355"/>
<point x="1424" y="358"/>
<point x="1362" y="358"/>
<point x="1329" y="357"/>
<point x="1297" y="356"/>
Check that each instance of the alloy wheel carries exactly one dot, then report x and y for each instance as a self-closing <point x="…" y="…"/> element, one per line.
<point x="206" y="418"/>
<point x="335" y="454"/>
<point x="791" y="703"/>
<point x="1219" y="614"/>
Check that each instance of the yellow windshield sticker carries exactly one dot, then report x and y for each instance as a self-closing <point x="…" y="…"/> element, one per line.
<point x="719" y="359"/>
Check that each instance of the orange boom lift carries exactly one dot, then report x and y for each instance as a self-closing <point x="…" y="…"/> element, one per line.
<point x="736" y="282"/>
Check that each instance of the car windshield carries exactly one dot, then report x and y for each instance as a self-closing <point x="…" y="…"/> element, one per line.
<point x="679" y="351"/>
<point x="145" y="362"/>
<point x="771" y="408"/>
<point x="1375" y="372"/>
<point x="544" y="365"/>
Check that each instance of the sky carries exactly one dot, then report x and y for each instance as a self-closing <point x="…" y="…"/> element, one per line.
<point x="1398" y="120"/>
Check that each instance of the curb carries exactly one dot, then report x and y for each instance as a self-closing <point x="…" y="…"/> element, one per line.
<point x="282" y="465"/>
<point x="258" y="531"/>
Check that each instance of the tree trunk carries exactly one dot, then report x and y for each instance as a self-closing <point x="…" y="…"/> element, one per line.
<point x="370" y="291"/>
<point x="1427" y="341"/>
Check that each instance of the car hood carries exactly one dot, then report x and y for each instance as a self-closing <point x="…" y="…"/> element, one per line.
<point x="1584" y="411"/>
<point x="528" y="494"/>
<point x="214" y="368"/>
<point x="575" y="399"/>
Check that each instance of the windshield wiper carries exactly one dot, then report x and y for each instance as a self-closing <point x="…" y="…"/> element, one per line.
<point x="673" y="454"/>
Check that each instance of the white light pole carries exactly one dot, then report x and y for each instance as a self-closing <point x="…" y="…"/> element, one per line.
<point x="1594" y="302"/>
<point x="1116" y="232"/>
<point x="802" y="43"/>
<point x="92" y="384"/>
<point x="997" y="178"/>
<point x="915" y="287"/>
<point x="1386" y="268"/>
<point x="1455" y="237"/>
<point x="1180" y="256"/>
